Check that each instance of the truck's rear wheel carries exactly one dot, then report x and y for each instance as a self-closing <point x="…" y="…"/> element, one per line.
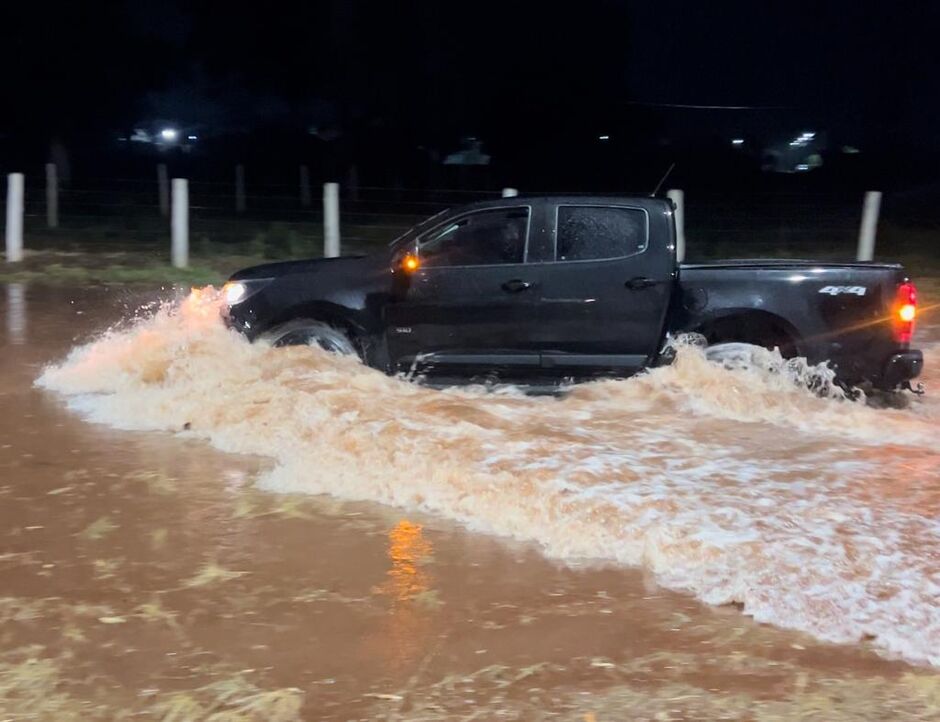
<point x="305" y="332"/>
<point x="741" y="356"/>
<point x="732" y="333"/>
<point x="733" y="354"/>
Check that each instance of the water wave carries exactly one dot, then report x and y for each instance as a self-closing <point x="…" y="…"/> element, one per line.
<point x="739" y="485"/>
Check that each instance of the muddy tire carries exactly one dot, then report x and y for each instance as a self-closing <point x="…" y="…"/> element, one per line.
<point x="305" y="332"/>
<point x="750" y="330"/>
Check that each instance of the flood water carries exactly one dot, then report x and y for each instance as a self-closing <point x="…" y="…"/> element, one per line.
<point x="191" y="525"/>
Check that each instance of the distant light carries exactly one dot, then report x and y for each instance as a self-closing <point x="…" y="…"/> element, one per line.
<point x="168" y="134"/>
<point x="737" y="141"/>
<point x="191" y="137"/>
<point x="809" y="135"/>
<point x="802" y="166"/>
<point x="603" y="137"/>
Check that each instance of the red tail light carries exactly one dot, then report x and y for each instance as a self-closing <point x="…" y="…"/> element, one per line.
<point x="904" y="312"/>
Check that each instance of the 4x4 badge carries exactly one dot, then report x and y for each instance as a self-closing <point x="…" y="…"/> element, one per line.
<point x="839" y="290"/>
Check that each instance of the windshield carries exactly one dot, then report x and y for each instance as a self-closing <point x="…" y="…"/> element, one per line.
<point x="415" y="230"/>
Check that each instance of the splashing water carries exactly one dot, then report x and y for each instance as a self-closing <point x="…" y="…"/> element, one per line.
<point x="738" y="485"/>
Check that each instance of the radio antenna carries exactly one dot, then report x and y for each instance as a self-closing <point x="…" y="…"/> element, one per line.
<point x="662" y="180"/>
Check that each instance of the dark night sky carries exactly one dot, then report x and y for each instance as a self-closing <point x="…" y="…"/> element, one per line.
<point x="431" y="70"/>
<point x="868" y="67"/>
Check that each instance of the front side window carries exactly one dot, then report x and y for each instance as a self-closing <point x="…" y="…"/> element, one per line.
<point x="478" y="239"/>
<point x="593" y="232"/>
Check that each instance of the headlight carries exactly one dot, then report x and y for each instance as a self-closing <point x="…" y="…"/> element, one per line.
<point x="235" y="292"/>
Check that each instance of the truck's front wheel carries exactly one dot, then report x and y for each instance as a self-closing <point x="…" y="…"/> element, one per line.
<point x="305" y="332"/>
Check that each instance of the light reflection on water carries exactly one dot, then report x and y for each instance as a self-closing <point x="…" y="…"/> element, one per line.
<point x="16" y="313"/>
<point x="408" y="550"/>
<point x="409" y="586"/>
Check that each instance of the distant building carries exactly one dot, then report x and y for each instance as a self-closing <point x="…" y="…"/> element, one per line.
<point x="797" y="154"/>
<point x="471" y="154"/>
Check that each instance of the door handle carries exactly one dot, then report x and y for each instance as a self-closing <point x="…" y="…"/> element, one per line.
<point x="516" y="285"/>
<point x="639" y="283"/>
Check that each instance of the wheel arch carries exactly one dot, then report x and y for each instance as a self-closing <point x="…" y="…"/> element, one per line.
<point x="363" y="331"/>
<point x="748" y="325"/>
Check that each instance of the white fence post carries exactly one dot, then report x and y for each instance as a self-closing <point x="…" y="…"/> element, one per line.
<point x="866" y="234"/>
<point x="306" y="197"/>
<point x="239" y="188"/>
<point x="163" y="189"/>
<point x="331" y="220"/>
<point x="52" y="196"/>
<point x="14" y="230"/>
<point x="510" y="192"/>
<point x="678" y="197"/>
<point x="179" y="225"/>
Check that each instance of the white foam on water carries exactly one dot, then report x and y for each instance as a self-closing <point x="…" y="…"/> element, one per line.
<point x="812" y="512"/>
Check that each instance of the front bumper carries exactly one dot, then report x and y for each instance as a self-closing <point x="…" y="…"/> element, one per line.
<point x="239" y="319"/>
<point x="901" y="367"/>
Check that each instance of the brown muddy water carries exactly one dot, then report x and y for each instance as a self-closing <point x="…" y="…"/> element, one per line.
<point x="192" y="527"/>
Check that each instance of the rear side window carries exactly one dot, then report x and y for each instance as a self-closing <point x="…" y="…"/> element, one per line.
<point x="592" y="232"/>
<point x="478" y="239"/>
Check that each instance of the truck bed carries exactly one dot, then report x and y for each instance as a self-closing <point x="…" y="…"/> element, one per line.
<point x="780" y="263"/>
<point x="839" y="312"/>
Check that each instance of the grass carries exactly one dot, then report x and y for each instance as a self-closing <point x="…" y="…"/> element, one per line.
<point x="57" y="273"/>
<point x="84" y="268"/>
<point x="109" y="255"/>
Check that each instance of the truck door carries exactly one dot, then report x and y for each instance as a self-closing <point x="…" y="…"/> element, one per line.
<point x="603" y="300"/>
<point x="472" y="303"/>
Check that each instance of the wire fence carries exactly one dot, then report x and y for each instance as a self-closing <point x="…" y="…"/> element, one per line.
<point x="273" y="219"/>
<point x="284" y="220"/>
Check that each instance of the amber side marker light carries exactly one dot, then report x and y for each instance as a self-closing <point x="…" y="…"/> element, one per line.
<point x="410" y="263"/>
<point x="905" y="312"/>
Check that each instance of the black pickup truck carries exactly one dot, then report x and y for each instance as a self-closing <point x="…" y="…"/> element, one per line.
<point x="544" y="288"/>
